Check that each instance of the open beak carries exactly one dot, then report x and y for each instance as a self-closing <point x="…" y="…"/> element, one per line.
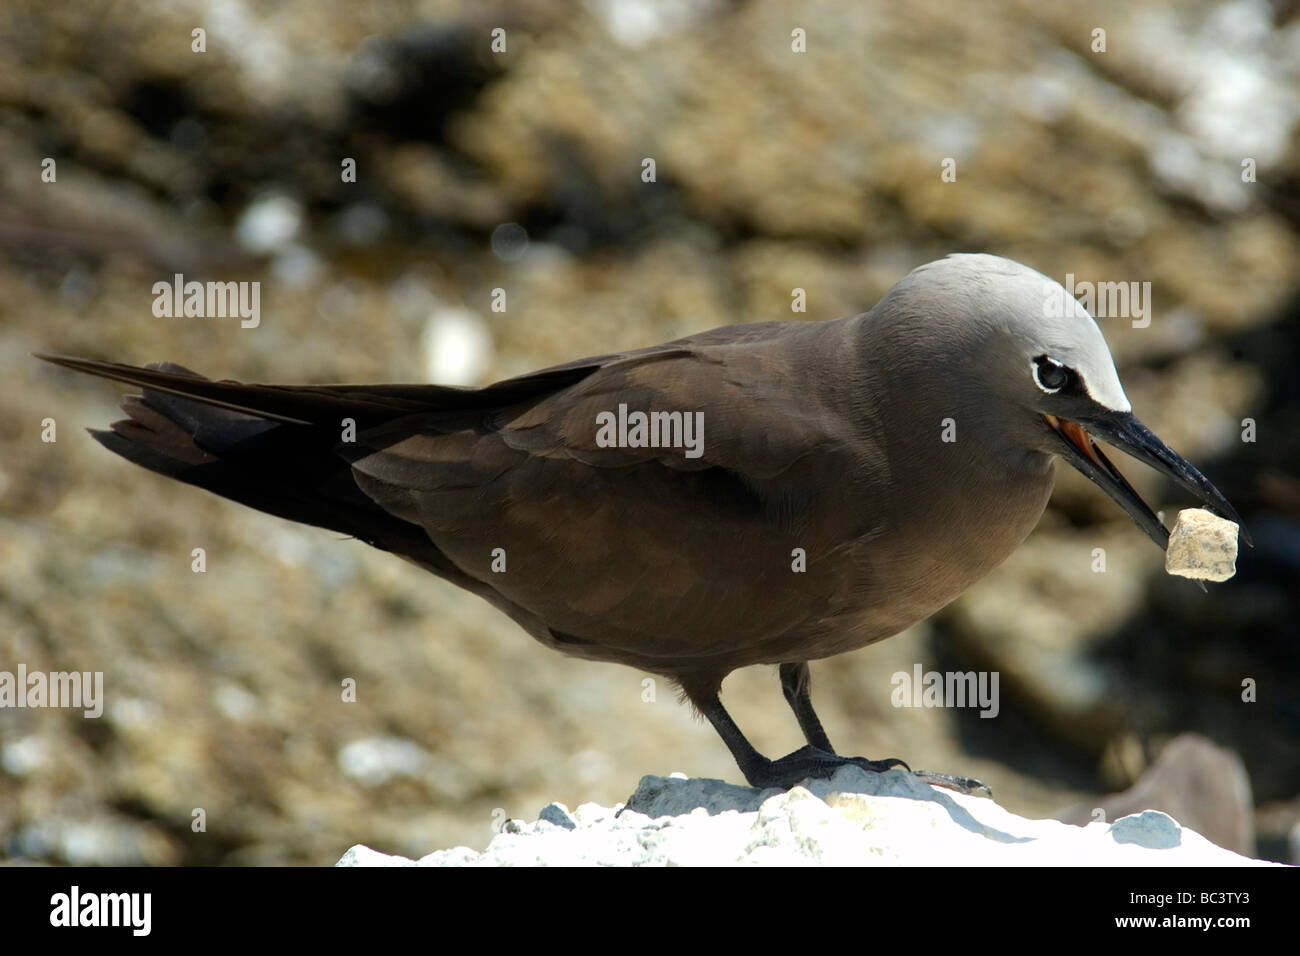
<point x="1129" y="435"/>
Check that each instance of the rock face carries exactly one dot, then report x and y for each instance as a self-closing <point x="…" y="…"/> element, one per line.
<point x="855" y="818"/>
<point x="1202" y="546"/>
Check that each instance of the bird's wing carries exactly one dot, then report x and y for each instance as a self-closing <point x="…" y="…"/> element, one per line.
<point x="642" y="548"/>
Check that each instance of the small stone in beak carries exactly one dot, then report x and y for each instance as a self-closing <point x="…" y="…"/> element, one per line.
<point x="1202" y="546"/>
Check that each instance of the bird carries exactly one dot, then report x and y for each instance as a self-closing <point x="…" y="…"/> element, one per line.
<point x="824" y="485"/>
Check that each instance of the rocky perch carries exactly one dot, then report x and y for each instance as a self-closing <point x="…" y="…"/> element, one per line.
<point x="853" y="818"/>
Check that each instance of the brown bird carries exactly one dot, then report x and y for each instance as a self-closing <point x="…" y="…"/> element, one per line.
<point x="823" y="485"/>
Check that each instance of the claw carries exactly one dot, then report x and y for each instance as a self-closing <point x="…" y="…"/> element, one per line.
<point x="967" y="785"/>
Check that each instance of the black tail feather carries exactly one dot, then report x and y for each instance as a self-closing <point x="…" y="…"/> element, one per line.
<point x="280" y="459"/>
<point x="298" y="405"/>
<point x="279" y="448"/>
<point x="329" y="404"/>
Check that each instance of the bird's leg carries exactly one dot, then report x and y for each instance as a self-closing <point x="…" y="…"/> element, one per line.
<point x="763" y="773"/>
<point x="796" y="684"/>
<point x="815" y="760"/>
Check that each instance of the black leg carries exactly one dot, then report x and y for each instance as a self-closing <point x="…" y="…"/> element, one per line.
<point x="796" y="684"/>
<point x="812" y="760"/>
<point x="762" y="773"/>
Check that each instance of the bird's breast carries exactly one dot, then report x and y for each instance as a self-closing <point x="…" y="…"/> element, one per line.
<point x="935" y="540"/>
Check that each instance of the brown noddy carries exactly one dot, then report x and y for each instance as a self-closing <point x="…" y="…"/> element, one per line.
<point x="823" y="486"/>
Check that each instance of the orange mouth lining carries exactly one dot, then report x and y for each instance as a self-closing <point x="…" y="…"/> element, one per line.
<point x="1077" y="436"/>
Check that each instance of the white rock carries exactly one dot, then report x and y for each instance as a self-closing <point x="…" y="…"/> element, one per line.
<point x="1202" y="546"/>
<point x="376" y="761"/>
<point x="269" y="223"/>
<point x="364" y="856"/>
<point x="855" y="818"/>
<point x="457" y="346"/>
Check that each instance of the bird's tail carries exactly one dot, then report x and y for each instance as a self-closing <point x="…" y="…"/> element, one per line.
<point x="274" y="448"/>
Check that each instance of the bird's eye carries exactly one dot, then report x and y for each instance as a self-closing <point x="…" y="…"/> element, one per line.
<point x="1049" y="374"/>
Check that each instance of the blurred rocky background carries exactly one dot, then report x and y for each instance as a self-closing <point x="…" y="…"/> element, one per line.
<point x="521" y="169"/>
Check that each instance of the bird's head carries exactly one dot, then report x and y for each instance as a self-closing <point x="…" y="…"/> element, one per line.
<point x="1040" y="373"/>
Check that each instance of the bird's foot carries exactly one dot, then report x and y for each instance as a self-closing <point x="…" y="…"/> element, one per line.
<point x="812" y="762"/>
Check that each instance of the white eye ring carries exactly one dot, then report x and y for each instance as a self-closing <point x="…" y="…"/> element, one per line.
<point x="1036" y="366"/>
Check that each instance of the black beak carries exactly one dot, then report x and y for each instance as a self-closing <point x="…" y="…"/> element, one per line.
<point x="1126" y="433"/>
